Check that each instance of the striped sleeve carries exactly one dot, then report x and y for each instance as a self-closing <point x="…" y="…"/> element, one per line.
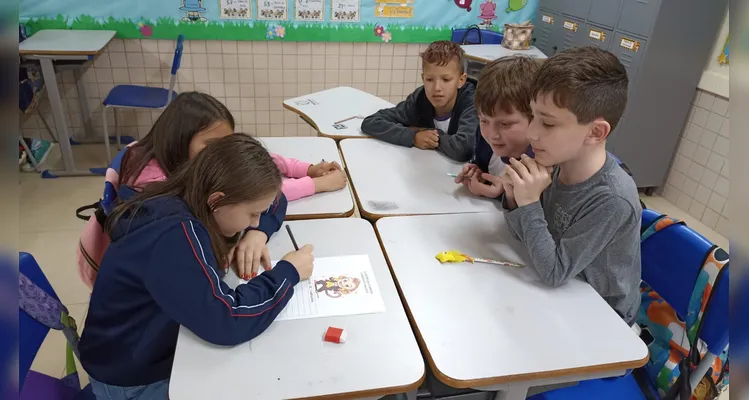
<point x="183" y="279"/>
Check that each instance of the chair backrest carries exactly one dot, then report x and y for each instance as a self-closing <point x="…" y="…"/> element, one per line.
<point x="671" y="261"/>
<point x="176" y="62"/>
<point x="31" y="332"/>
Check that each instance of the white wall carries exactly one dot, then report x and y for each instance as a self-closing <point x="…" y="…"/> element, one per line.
<point x="715" y="77"/>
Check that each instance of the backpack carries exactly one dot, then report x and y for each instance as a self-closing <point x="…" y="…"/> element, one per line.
<point x="673" y="343"/>
<point x="94" y="241"/>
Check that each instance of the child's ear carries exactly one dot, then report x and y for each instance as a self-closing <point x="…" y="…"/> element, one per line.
<point x="463" y="79"/>
<point x="600" y="131"/>
<point x="214" y="198"/>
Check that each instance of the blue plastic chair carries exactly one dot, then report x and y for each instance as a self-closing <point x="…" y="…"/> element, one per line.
<point x="671" y="260"/>
<point x="34" y="385"/>
<point x="140" y="97"/>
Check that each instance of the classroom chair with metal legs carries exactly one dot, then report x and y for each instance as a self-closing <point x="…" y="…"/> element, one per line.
<point x="140" y="97"/>
<point x="671" y="261"/>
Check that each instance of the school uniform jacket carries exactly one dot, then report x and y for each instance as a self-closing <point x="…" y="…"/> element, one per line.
<point x="391" y="124"/>
<point x="158" y="273"/>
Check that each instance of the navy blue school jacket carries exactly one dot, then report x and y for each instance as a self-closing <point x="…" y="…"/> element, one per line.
<point x="160" y="273"/>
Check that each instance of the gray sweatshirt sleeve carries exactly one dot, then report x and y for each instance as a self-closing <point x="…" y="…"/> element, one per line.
<point x="580" y="244"/>
<point x="391" y="124"/>
<point x="459" y="146"/>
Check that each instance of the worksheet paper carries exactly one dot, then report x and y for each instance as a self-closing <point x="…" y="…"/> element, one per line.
<point x="342" y="285"/>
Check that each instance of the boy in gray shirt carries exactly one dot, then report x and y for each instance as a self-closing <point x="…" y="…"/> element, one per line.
<point x="580" y="217"/>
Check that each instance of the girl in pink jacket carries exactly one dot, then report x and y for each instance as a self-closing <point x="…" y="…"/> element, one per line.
<point x="190" y="122"/>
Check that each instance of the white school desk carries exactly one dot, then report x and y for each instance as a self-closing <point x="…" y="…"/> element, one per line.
<point x="392" y="180"/>
<point x="490" y="52"/>
<point x="64" y="45"/>
<point x="290" y="359"/>
<point x="313" y="150"/>
<point x="492" y="328"/>
<point x="337" y="113"/>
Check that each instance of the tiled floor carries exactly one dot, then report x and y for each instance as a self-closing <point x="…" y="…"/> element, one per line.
<point x="50" y="232"/>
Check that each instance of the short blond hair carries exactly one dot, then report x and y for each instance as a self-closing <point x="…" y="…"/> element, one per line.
<point x="442" y="52"/>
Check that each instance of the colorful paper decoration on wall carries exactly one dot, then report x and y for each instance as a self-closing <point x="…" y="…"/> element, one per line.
<point x="394" y="21"/>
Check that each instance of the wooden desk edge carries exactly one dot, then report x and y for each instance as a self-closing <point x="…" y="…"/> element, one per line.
<point x="301" y="217"/>
<point x="67" y="53"/>
<point x="312" y="123"/>
<point x="478" y="383"/>
<point x="477" y="58"/>
<point x="371" y="392"/>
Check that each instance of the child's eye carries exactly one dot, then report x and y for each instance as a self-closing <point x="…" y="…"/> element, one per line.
<point x="547" y="125"/>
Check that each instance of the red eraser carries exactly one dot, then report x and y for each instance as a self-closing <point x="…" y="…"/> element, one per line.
<point x="335" y="335"/>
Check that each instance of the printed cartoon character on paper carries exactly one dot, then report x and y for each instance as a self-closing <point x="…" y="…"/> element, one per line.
<point x="193" y="9"/>
<point x="515" y="5"/>
<point x="337" y="286"/>
<point x="488" y="13"/>
<point x="464" y="4"/>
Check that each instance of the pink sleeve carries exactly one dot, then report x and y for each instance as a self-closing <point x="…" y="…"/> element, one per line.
<point x="296" y="188"/>
<point x="290" y="167"/>
<point x="151" y="173"/>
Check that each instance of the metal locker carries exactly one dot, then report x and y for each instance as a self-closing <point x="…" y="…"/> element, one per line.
<point x="629" y="50"/>
<point x="576" y="8"/>
<point x="597" y="36"/>
<point x="551" y="5"/>
<point x="638" y="16"/>
<point x="605" y="12"/>
<point x="545" y="34"/>
<point x="571" y="31"/>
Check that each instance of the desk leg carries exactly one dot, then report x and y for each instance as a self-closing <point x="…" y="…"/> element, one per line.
<point x="53" y="93"/>
<point x="512" y="393"/>
<point x="83" y="101"/>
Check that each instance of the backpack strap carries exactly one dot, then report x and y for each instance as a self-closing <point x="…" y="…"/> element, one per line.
<point x="49" y="312"/>
<point x="660" y="223"/>
<point x="716" y="257"/>
<point x="465" y="35"/>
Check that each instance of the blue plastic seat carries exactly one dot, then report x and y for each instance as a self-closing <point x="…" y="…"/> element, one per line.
<point x="31" y="336"/>
<point x="671" y="261"/>
<point x="140" y="97"/>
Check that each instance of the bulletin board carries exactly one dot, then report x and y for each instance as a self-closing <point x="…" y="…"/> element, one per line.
<point x="396" y="21"/>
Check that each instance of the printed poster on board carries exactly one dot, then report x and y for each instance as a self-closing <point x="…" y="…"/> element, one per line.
<point x="345" y="10"/>
<point x="272" y="10"/>
<point x="235" y="9"/>
<point x="309" y="10"/>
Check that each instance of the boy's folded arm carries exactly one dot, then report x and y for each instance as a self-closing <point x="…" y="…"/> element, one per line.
<point x="391" y="124"/>
<point x="272" y="219"/>
<point x="460" y="146"/>
<point x="186" y="284"/>
<point x="580" y="244"/>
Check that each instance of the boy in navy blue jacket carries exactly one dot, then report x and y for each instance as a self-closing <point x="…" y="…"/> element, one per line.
<point x="440" y="115"/>
<point x="502" y="99"/>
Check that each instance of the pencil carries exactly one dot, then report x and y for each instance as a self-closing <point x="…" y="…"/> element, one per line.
<point x="291" y="235"/>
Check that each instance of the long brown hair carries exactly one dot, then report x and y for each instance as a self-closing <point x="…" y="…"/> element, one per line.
<point x="236" y="165"/>
<point x="168" y="141"/>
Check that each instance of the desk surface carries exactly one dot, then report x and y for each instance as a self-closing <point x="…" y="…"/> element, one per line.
<point x="485" y="324"/>
<point x="313" y="150"/>
<point x="66" y="42"/>
<point x="392" y="180"/>
<point x="328" y="109"/>
<point x="491" y="52"/>
<point x="290" y="359"/>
